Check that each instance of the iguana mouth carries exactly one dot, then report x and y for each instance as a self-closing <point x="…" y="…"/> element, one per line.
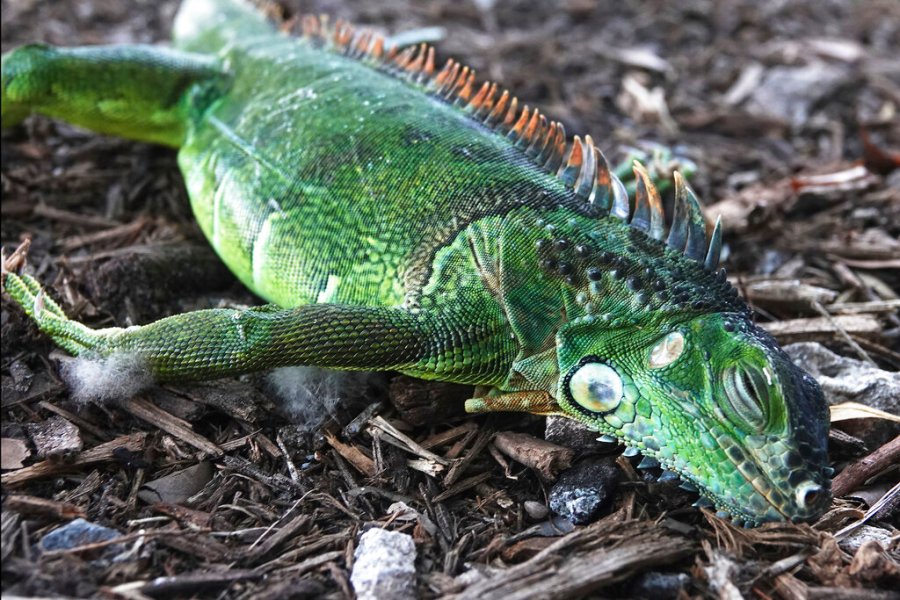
<point x="809" y="493"/>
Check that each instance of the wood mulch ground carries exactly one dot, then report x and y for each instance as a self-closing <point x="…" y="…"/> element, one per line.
<point x="788" y="109"/>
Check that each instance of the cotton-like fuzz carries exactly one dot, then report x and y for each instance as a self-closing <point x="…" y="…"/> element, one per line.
<point x="114" y="377"/>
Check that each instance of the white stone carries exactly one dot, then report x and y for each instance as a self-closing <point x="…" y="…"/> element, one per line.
<point x="384" y="566"/>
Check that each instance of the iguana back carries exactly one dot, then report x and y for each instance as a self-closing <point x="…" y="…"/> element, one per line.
<point x="320" y="177"/>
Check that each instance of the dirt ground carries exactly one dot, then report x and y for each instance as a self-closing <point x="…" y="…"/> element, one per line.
<point x="789" y="111"/>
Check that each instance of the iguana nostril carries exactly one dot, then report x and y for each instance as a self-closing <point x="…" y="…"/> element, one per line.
<point x="808" y="494"/>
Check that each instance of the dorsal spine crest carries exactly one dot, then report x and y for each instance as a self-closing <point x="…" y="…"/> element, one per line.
<point x="578" y="164"/>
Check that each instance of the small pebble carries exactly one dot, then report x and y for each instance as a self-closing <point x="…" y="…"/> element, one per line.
<point x="384" y="566"/>
<point x="536" y="510"/>
<point x="659" y="586"/>
<point x="584" y="491"/>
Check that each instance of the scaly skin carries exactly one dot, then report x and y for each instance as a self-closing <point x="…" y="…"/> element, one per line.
<point x="392" y="229"/>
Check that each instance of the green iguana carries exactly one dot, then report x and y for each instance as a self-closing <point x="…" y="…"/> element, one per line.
<point x="401" y="217"/>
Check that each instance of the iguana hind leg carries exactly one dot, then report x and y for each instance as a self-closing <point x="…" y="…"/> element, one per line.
<point x="210" y="343"/>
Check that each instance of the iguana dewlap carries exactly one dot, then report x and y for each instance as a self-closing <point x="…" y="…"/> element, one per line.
<point x="404" y="217"/>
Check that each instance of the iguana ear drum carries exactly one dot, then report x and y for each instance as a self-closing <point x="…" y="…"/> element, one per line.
<point x="596" y="387"/>
<point x="667" y="350"/>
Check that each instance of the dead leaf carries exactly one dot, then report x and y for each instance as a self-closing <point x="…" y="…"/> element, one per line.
<point x="854" y="410"/>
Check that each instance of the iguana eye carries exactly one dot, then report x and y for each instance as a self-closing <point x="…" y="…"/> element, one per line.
<point x="746" y="396"/>
<point x="596" y="387"/>
<point x="667" y="350"/>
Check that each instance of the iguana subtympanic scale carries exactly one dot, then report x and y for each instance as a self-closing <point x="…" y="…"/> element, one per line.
<point x="401" y="217"/>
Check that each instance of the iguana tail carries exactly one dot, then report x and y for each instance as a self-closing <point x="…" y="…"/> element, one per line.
<point x="138" y="92"/>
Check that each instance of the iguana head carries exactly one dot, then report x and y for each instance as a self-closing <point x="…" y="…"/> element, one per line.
<point x="714" y="400"/>
<point x="656" y="350"/>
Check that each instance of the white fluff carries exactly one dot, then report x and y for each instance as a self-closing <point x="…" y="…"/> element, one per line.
<point x="115" y="377"/>
<point x="309" y="395"/>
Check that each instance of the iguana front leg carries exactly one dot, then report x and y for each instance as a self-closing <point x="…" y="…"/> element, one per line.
<point x="212" y="343"/>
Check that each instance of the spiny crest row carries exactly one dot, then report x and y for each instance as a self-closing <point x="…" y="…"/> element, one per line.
<point x="578" y="164"/>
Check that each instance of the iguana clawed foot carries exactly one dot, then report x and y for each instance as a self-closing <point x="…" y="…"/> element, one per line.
<point x="534" y="402"/>
<point x="71" y="335"/>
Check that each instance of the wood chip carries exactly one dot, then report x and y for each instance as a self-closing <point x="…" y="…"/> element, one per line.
<point x="179" y="428"/>
<point x="235" y="398"/>
<point x="820" y="329"/>
<point x="406" y="442"/>
<point x="42" y="507"/>
<point x="461" y="486"/>
<point x="280" y="536"/>
<point x="121" y="233"/>
<point x="77" y="420"/>
<point x="445" y="437"/>
<point x="854" y="410"/>
<point x="249" y="469"/>
<point x="133" y="442"/>
<point x="353" y="455"/>
<point x="185" y="585"/>
<point x="198" y="545"/>
<point x="197" y="518"/>
<point x="787" y="292"/>
<point x="857" y="308"/>
<point x="460" y="466"/>
<point x="55" y="437"/>
<point x="312" y="563"/>
<point x="73" y="218"/>
<point x="855" y="474"/>
<point x="545" y="457"/>
<point x="610" y="552"/>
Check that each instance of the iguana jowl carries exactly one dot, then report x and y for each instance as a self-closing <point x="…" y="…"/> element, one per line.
<point x="400" y="217"/>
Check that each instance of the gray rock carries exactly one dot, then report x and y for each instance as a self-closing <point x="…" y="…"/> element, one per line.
<point x="585" y="490"/>
<point x="177" y="487"/>
<point x="789" y="93"/>
<point x="572" y="434"/>
<point x="846" y="379"/>
<point x="384" y="566"/>
<point x="863" y="534"/>
<point x="76" y="533"/>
